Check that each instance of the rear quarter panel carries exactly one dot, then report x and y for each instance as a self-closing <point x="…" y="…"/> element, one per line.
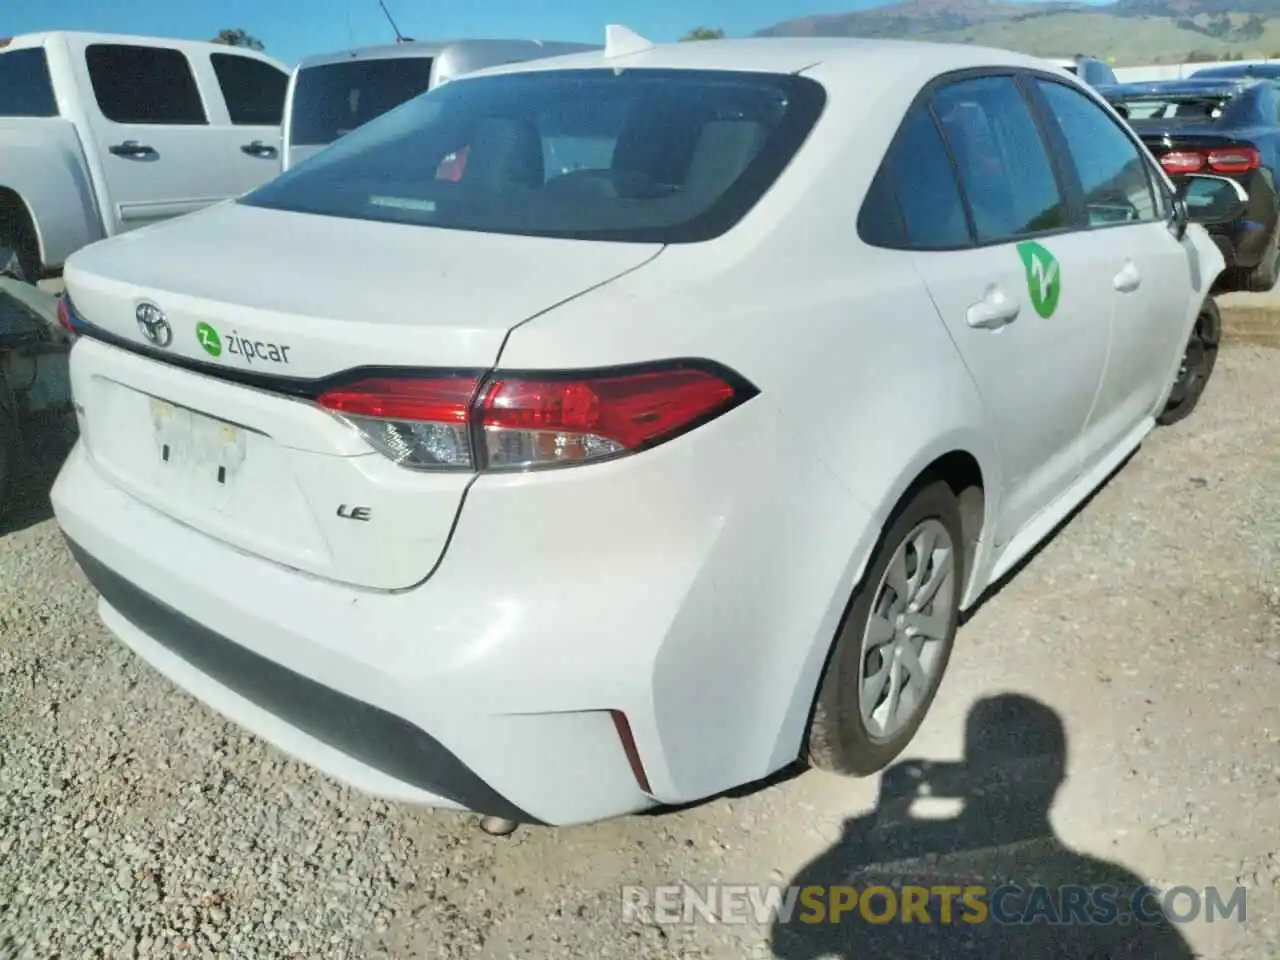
<point x="863" y="380"/>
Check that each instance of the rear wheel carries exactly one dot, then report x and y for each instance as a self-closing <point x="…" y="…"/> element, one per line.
<point x="19" y="253"/>
<point x="895" y="642"/>
<point x="8" y="444"/>
<point x="1198" y="360"/>
<point x="1263" y="277"/>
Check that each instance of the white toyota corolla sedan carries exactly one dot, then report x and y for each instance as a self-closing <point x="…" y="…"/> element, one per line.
<point x="605" y="432"/>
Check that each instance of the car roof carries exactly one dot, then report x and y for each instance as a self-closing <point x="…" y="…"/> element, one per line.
<point x="40" y="39"/>
<point x="1188" y="86"/>
<point x="907" y="61"/>
<point x="432" y="48"/>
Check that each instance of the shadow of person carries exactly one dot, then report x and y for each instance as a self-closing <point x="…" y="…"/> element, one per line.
<point x="1039" y="899"/>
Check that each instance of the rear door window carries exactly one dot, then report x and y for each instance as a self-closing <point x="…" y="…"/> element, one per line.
<point x="924" y="183"/>
<point x="1113" y="173"/>
<point x="26" y="89"/>
<point x="332" y="99"/>
<point x="254" y="90"/>
<point x="1001" y="157"/>
<point x="139" y="84"/>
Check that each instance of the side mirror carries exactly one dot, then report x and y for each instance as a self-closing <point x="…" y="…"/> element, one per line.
<point x="1211" y="200"/>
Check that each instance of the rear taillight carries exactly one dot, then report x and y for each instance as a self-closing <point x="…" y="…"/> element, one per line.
<point x="64" y="315"/>
<point x="1183" y="161"/>
<point x="1240" y="159"/>
<point x="505" y="422"/>
<point x="1234" y="160"/>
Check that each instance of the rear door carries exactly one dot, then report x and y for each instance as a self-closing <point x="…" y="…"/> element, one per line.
<point x="1127" y="220"/>
<point x="1015" y="283"/>
<point x="253" y="92"/>
<point x="160" y="155"/>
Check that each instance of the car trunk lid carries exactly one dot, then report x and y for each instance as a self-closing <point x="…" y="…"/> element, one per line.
<point x="215" y="426"/>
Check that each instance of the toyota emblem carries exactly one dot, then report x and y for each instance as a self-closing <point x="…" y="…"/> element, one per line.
<point x="154" y="326"/>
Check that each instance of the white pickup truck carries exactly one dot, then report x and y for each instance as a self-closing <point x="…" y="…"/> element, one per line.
<point x="103" y="133"/>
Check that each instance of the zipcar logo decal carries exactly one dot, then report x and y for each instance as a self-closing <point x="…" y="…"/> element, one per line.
<point x="1044" y="277"/>
<point x="238" y="346"/>
<point x="209" y="339"/>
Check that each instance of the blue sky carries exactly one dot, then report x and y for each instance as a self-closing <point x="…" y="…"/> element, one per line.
<point x="292" y="29"/>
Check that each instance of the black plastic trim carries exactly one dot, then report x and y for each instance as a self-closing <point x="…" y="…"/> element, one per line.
<point x="364" y="732"/>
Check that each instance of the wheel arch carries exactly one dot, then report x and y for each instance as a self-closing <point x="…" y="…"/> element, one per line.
<point x="15" y="209"/>
<point x="966" y="461"/>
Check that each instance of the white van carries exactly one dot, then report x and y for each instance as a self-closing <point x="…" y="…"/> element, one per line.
<point x="332" y="94"/>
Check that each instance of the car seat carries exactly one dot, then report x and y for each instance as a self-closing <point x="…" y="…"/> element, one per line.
<point x="505" y="153"/>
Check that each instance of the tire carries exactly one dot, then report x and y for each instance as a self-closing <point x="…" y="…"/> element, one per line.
<point x="19" y="254"/>
<point x="839" y="738"/>
<point x="1263" y="277"/>
<point x="1198" y="360"/>
<point x="8" y="448"/>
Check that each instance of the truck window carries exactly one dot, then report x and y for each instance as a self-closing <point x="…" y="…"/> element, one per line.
<point x="26" y="89"/>
<point x="253" y="90"/>
<point x="136" y="84"/>
<point x="332" y="99"/>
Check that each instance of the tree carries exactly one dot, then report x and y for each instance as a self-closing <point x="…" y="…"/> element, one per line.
<point x="704" y="33"/>
<point x="1218" y="26"/>
<point x="238" y="37"/>
<point x="1253" y="28"/>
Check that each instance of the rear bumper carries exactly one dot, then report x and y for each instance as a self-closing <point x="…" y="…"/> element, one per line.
<point x="1244" y="243"/>
<point x="365" y="733"/>
<point x="695" y="597"/>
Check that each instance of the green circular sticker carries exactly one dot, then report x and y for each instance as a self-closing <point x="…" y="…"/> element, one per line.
<point x="209" y="339"/>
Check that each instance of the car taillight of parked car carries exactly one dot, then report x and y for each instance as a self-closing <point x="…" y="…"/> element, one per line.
<point x="64" y="315"/>
<point x="1218" y="160"/>
<point x="503" y="422"/>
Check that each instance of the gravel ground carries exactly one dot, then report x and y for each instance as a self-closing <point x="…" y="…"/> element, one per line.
<point x="134" y="822"/>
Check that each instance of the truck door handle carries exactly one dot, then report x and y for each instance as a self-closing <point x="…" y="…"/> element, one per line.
<point x="259" y="149"/>
<point x="132" y="148"/>
<point x="1128" y="279"/>
<point x="994" y="310"/>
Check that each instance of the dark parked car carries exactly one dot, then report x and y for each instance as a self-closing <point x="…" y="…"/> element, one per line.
<point x="1228" y="126"/>
<point x="1258" y="71"/>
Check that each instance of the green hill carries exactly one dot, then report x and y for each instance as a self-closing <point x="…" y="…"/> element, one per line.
<point x="1130" y="32"/>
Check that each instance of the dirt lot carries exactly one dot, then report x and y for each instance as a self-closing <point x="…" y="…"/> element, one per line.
<point x="135" y="822"/>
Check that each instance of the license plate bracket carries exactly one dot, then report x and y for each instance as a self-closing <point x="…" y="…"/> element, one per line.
<point x="199" y="448"/>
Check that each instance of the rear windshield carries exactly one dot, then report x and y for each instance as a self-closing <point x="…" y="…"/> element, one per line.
<point x="1185" y="108"/>
<point x="660" y="156"/>
<point x="332" y="99"/>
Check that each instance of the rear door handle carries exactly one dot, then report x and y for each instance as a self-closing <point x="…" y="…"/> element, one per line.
<point x="1128" y="279"/>
<point x="259" y="149"/>
<point x="132" y="148"/>
<point x="994" y="310"/>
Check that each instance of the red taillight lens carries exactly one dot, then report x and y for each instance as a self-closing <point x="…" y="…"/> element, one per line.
<point x="64" y="315"/>
<point x="1240" y="159"/>
<point x="529" y="422"/>
<point x="1234" y="160"/>
<point x="1182" y="161"/>
<point x="519" y="421"/>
